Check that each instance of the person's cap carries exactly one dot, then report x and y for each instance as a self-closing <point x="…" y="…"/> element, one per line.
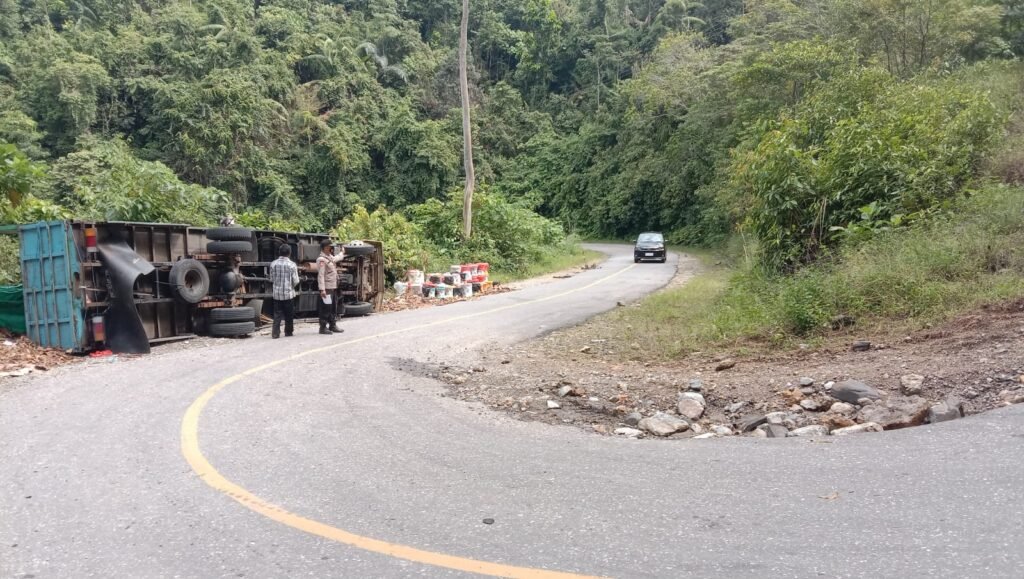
<point x="325" y="243"/>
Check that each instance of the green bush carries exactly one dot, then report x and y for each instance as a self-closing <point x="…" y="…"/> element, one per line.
<point x="107" y="182"/>
<point x="864" y="153"/>
<point x="10" y="263"/>
<point x="973" y="255"/>
<point x="508" y="235"/>
<point x="405" y="246"/>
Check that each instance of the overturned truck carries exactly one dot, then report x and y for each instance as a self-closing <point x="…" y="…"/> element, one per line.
<point x="124" y="286"/>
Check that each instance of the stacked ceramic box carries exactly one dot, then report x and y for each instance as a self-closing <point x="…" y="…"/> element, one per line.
<point x="462" y="280"/>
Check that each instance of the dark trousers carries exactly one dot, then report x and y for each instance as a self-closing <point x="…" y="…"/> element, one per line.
<point x="328" y="312"/>
<point x="283" y="309"/>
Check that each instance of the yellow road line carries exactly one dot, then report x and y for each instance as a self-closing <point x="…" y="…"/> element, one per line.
<point x="206" y="471"/>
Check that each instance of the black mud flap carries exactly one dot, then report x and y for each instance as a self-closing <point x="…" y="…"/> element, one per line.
<point x="125" y="332"/>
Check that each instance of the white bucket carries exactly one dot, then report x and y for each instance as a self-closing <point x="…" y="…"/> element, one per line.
<point x="414" y="277"/>
<point x="401" y="287"/>
<point x="467" y="290"/>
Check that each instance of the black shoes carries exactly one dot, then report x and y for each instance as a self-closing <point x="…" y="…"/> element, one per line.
<point x="336" y="329"/>
<point x="325" y="331"/>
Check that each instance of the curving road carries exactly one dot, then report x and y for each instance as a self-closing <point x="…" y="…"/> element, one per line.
<point x="334" y="457"/>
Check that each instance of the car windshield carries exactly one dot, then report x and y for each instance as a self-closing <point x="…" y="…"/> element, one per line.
<point x="650" y="238"/>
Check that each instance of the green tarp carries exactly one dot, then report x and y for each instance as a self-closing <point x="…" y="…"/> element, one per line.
<point x="12" y="309"/>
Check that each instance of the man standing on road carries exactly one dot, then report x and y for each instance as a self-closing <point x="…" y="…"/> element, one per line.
<point x="327" y="282"/>
<point x="285" y="276"/>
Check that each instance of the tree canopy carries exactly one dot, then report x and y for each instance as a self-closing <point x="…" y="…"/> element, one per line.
<point x="785" y="118"/>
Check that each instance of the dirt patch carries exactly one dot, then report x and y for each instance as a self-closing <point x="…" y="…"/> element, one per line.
<point x="581" y="376"/>
<point x="19" y="356"/>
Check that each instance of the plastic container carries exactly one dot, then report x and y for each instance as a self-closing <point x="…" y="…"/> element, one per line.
<point x="467" y="290"/>
<point x="401" y="287"/>
<point x="414" y="277"/>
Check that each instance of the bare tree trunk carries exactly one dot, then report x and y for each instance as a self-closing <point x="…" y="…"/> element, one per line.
<point x="467" y="131"/>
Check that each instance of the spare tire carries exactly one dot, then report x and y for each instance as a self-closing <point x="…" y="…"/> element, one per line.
<point x="189" y="280"/>
<point x="241" y="314"/>
<point x="227" y="247"/>
<point x="359" y="250"/>
<point x="354" y="309"/>
<point x="232" y="328"/>
<point x="229" y="234"/>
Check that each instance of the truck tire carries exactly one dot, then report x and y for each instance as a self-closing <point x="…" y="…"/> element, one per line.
<point x="257" y="308"/>
<point x="227" y="247"/>
<point x="229" y="234"/>
<point x="190" y="281"/>
<point x="359" y="250"/>
<point x="358" y="309"/>
<point x="242" y="314"/>
<point x="229" y="329"/>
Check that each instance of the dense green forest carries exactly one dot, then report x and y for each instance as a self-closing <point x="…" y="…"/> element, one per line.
<point x="797" y="123"/>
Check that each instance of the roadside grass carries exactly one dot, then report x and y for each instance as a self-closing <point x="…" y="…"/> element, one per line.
<point x="569" y="256"/>
<point x="674" y="321"/>
<point x="898" y="281"/>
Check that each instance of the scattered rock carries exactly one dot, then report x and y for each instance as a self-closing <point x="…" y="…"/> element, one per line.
<point x="861" y="346"/>
<point x="696" y="385"/>
<point x="690" y="408"/>
<point x="911" y="384"/>
<point x="842" y="408"/>
<point x="758" y="433"/>
<point x="812" y="430"/>
<point x="725" y="364"/>
<point x="857" y="429"/>
<point x="552" y="405"/>
<point x="488" y="521"/>
<point x="792" y="395"/>
<point x="853" y="390"/>
<point x="721" y="430"/>
<point x="662" y="424"/>
<point x="735" y="407"/>
<point x="633" y="418"/>
<point x="865" y="402"/>
<point x="829" y="385"/>
<point x="807" y="390"/>
<point x="836" y="422"/>
<point x="774" y="430"/>
<point x="897" y="412"/>
<point x="585" y="350"/>
<point x="842" y="321"/>
<point x="704" y="436"/>
<point x="948" y="409"/>
<point x="750" y="422"/>
<point x="775" y="417"/>
<point x="564" y="391"/>
<point x="696" y="428"/>
<point x="805" y="381"/>
<point x="629" y="432"/>
<point x="693" y="396"/>
<point x="808" y="404"/>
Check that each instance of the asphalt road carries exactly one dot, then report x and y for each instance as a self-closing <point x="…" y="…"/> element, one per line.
<point x="338" y="458"/>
